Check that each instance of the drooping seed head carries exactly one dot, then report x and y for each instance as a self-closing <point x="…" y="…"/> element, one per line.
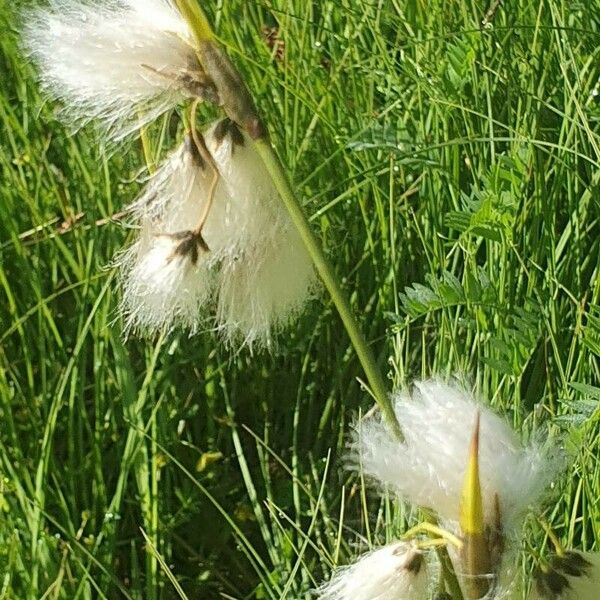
<point x="397" y="571"/>
<point x="121" y="62"/>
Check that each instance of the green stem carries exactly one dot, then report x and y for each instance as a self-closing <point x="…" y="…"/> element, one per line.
<point x="448" y="580"/>
<point x="198" y="22"/>
<point x="194" y="15"/>
<point x="329" y="278"/>
<point x="449" y="575"/>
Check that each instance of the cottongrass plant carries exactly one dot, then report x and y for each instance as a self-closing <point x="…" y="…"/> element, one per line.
<point x="428" y="468"/>
<point x="213" y="233"/>
<point x="464" y="463"/>
<point x="121" y="62"/>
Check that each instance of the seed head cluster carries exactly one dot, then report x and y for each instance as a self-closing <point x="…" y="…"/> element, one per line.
<point x="247" y="263"/>
<point x="469" y="469"/>
<point x="215" y="249"/>
<point x="120" y="62"/>
<point x="397" y="571"/>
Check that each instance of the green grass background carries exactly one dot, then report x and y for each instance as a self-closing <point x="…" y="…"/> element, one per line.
<point x="452" y="173"/>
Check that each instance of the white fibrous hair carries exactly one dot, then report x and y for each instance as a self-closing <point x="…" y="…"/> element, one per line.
<point x="123" y="62"/>
<point x="176" y="196"/>
<point x="572" y="576"/>
<point x="428" y="468"/>
<point x="165" y="275"/>
<point x="253" y="215"/>
<point x="164" y="283"/>
<point x="252" y="260"/>
<point x="262" y="291"/>
<point x="266" y="275"/>
<point x="394" y="572"/>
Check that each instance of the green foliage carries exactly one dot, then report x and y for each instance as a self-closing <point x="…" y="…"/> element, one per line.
<point x="452" y="172"/>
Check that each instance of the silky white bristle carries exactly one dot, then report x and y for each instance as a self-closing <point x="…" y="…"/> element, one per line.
<point x="262" y="273"/>
<point x="262" y="291"/>
<point x="162" y="287"/>
<point x="123" y="62"/>
<point x="266" y="274"/>
<point x="253" y="216"/>
<point x="395" y="572"/>
<point x="428" y="468"/>
<point x="176" y="196"/>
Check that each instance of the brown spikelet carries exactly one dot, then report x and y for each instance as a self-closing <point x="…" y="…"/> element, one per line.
<point x="274" y="42"/>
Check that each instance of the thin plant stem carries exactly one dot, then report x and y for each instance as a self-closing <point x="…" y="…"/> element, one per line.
<point x="201" y="28"/>
<point x="436" y="530"/>
<point x="147" y="150"/>
<point x="198" y="22"/>
<point x="327" y="274"/>
<point x="207" y="157"/>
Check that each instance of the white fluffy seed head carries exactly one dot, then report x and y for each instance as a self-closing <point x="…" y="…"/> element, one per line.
<point x="394" y="572"/>
<point x="253" y="215"/>
<point x="164" y="283"/>
<point x="575" y="576"/>
<point x="262" y="272"/>
<point x="264" y="290"/>
<point x="428" y="468"/>
<point x="163" y="286"/>
<point x="176" y="196"/>
<point x="123" y="62"/>
<point x="266" y="275"/>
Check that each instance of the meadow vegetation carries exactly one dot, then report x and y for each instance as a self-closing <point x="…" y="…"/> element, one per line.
<point x="451" y="171"/>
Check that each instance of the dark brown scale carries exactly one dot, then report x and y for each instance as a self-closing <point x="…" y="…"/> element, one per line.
<point x="233" y="93"/>
<point x="195" y="80"/>
<point x="415" y="564"/>
<point x="571" y="563"/>
<point x="190" y="244"/>
<point x="228" y="127"/>
<point x="198" y="86"/>
<point x="551" y="584"/>
<point x="495" y="536"/>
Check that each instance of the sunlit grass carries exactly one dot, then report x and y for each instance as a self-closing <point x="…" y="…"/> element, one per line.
<point x="452" y="173"/>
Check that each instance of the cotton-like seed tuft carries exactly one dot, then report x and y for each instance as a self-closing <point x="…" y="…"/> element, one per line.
<point x="263" y="290"/>
<point x="165" y="282"/>
<point x="397" y="571"/>
<point x="122" y="62"/>
<point x="176" y="196"/>
<point x="165" y="275"/>
<point x="266" y="275"/>
<point x="253" y="217"/>
<point x="429" y="466"/>
<point x="258" y="271"/>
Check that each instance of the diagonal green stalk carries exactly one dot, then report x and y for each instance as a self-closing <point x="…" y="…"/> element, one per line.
<point x="327" y="274"/>
<point x="233" y="86"/>
<point x="237" y="102"/>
